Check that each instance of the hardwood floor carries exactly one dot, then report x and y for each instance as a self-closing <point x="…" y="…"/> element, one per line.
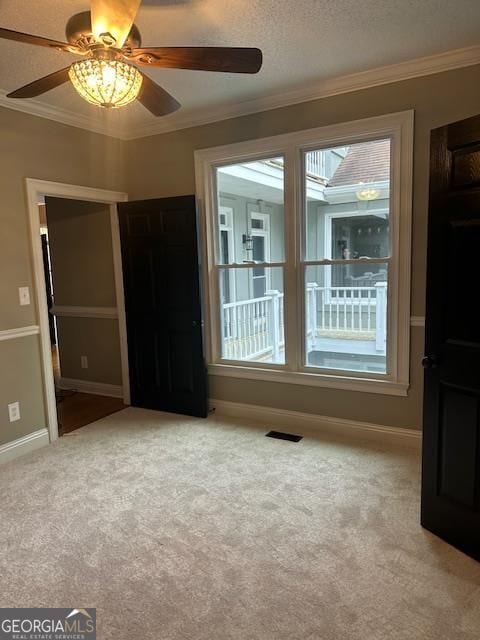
<point x="76" y="410"/>
<point x="55" y="362"/>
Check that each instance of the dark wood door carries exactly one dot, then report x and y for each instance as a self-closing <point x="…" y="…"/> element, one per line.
<point x="163" y="305"/>
<point x="451" y="436"/>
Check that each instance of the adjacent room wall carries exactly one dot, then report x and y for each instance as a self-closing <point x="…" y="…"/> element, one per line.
<point x="81" y="253"/>
<point x="36" y="148"/>
<point x="164" y="166"/>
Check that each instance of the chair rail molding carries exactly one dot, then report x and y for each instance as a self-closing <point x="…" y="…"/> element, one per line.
<point x="84" y="312"/>
<point x="417" y="321"/>
<point x="19" y="332"/>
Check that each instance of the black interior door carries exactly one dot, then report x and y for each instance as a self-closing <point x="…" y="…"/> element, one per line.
<point x="163" y="305"/>
<point x="451" y="442"/>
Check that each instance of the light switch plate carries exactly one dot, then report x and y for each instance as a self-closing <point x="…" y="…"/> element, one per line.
<point x="14" y="411"/>
<point x="84" y="362"/>
<point x="24" y="296"/>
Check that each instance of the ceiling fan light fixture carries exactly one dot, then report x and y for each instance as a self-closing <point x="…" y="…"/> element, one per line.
<point x="106" y="83"/>
<point x="367" y="193"/>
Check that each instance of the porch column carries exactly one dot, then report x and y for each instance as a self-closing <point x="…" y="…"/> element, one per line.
<point x="311" y="319"/>
<point x="381" y="317"/>
<point x="274" y="323"/>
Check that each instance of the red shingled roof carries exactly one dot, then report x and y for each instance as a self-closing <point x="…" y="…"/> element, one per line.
<point x="365" y="162"/>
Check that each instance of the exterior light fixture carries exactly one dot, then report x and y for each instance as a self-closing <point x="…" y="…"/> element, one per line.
<point x="247" y="242"/>
<point x="106" y="82"/>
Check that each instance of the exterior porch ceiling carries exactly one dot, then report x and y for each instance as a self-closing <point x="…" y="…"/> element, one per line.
<point x="304" y="42"/>
<point x="263" y="181"/>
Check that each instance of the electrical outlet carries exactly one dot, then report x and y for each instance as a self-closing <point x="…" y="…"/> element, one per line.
<point x="84" y="362"/>
<point x="24" y="296"/>
<point x="14" y="411"/>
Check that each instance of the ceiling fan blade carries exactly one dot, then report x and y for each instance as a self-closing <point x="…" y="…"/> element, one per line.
<point x="226" y="59"/>
<point x="155" y="99"/>
<point x="114" y="17"/>
<point x="18" y="36"/>
<point x="42" y="85"/>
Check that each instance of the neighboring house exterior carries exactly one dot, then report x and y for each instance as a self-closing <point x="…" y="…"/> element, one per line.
<point x="347" y="203"/>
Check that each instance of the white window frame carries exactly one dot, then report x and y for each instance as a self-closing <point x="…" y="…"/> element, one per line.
<point x="292" y="146"/>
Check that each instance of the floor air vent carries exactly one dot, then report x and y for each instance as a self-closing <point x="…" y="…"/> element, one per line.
<point x="283" y="436"/>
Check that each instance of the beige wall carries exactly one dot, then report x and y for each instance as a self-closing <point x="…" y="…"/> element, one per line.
<point x="36" y="148"/>
<point x="81" y="252"/>
<point x="20" y="380"/>
<point x="96" y="338"/>
<point x="164" y="166"/>
<point x="80" y="241"/>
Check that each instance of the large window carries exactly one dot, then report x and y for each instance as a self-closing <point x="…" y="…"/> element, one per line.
<point x="307" y="243"/>
<point x="251" y="320"/>
<point x="347" y="253"/>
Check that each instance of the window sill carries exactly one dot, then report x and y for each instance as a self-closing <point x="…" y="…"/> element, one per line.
<point x="350" y="383"/>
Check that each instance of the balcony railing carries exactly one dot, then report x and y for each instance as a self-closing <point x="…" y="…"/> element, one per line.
<point x="315" y="164"/>
<point x="254" y="329"/>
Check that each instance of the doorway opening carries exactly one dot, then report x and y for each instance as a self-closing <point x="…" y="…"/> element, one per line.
<point x="80" y="302"/>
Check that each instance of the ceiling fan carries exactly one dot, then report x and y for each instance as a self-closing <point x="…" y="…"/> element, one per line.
<point x="109" y="43"/>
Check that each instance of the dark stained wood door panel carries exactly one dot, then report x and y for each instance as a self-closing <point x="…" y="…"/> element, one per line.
<point x="451" y="436"/>
<point x="163" y="305"/>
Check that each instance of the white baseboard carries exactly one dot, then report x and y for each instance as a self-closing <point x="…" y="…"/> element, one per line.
<point x="96" y="388"/>
<point x="295" y="422"/>
<point x="23" y="445"/>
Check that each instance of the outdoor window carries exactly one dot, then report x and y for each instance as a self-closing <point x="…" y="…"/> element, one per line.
<point x="251" y="294"/>
<point x="347" y="240"/>
<point x="307" y="247"/>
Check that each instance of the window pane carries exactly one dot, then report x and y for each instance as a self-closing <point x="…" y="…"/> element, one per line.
<point x="346" y="317"/>
<point x="348" y="201"/>
<point x="252" y="314"/>
<point x="251" y="211"/>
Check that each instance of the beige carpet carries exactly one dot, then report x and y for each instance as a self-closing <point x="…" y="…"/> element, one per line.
<point x="182" y="529"/>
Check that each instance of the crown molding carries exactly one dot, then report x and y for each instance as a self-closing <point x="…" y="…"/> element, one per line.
<point x="418" y="67"/>
<point x="438" y="63"/>
<point x="57" y="114"/>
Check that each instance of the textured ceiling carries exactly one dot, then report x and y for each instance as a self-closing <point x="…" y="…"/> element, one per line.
<point x="303" y="41"/>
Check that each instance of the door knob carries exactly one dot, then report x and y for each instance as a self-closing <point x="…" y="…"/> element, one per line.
<point x="429" y="362"/>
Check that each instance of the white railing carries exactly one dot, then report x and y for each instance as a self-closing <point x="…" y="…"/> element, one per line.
<point x="349" y="311"/>
<point x="315" y="164"/>
<point x="345" y="308"/>
<point x="255" y="329"/>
